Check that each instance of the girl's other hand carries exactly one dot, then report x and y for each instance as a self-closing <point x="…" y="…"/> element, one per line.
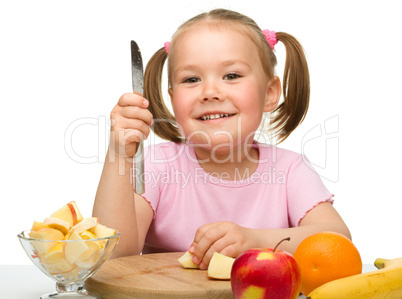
<point x="223" y="237"/>
<point x="130" y="124"/>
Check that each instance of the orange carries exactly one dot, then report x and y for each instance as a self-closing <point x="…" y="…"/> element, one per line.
<point x="326" y="256"/>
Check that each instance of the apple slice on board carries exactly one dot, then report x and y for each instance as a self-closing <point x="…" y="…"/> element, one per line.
<point x="186" y="260"/>
<point x="220" y="266"/>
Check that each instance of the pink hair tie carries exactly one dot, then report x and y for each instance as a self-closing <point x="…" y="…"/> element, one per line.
<point x="270" y="37"/>
<point x="167" y="46"/>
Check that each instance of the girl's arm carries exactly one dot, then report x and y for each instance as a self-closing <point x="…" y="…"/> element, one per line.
<point x="231" y="239"/>
<point x="116" y="204"/>
<point x="323" y="217"/>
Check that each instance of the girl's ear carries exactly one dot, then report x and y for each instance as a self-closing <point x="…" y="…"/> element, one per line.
<point x="274" y="92"/>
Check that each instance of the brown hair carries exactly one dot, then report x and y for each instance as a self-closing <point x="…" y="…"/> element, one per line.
<point x="296" y="80"/>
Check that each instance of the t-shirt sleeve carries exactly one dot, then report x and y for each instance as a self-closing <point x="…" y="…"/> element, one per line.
<point x="305" y="190"/>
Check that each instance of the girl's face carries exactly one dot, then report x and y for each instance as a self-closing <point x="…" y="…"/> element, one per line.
<point x="219" y="89"/>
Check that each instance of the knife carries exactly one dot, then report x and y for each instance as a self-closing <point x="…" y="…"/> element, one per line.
<point x="138" y="81"/>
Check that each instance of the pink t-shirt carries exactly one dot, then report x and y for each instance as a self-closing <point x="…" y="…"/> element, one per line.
<point x="183" y="196"/>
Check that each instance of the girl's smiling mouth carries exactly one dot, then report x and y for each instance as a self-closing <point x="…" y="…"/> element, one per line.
<point x="212" y="116"/>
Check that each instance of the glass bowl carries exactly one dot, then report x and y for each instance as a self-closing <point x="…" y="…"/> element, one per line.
<point x="69" y="262"/>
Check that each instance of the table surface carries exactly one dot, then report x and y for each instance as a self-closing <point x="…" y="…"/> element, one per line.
<point x="28" y="282"/>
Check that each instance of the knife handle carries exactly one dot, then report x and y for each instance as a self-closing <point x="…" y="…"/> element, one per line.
<point x="139" y="169"/>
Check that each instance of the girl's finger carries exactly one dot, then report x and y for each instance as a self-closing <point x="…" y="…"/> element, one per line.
<point x="132" y="99"/>
<point x="218" y="246"/>
<point x="231" y="250"/>
<point x="205" y="243"/>
<point x="131" y="136"/>
<point x="201" y="231"/>
<point x="122" y="123"/>
<point x="135" y="112"/>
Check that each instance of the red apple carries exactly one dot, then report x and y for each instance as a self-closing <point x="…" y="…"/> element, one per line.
<point x="263" y="273"/>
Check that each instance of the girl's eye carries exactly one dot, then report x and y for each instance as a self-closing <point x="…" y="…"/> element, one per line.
<point x="191" y="80"/>
<point x="231" y="76"/>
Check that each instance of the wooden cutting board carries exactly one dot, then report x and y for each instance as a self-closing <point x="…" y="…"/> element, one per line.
<point x="155" y="276"/>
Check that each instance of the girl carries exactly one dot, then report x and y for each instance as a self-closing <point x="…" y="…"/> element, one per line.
<point x="213" y="187"/>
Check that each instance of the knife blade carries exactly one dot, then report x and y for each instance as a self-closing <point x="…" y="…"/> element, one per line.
<point x="138" y="81"/>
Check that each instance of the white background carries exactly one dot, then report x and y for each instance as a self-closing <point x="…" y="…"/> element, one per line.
<point x="64" y="66"/>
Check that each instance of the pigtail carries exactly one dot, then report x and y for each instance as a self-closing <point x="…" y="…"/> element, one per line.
<point x="296" y="88"/>
<point x="163" y="119"/>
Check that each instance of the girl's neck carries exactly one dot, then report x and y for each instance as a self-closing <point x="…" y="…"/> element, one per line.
<point x="229" y="164"/>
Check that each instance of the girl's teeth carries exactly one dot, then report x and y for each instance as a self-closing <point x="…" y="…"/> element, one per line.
<point x="214" y="116"/>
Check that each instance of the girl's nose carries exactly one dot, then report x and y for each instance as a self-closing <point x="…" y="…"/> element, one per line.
<point x="211" y="92"/>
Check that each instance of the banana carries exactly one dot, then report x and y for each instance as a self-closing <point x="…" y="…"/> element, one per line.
<point x="385" y="283"/>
